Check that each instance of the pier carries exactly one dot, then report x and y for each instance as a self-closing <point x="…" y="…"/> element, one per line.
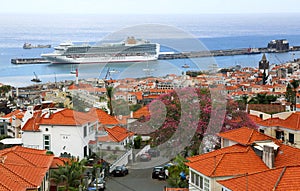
<point x="29" y="61"/>
<point x="226" y="52"/>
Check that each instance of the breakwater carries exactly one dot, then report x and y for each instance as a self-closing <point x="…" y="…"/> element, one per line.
<point x="226" y="52"/>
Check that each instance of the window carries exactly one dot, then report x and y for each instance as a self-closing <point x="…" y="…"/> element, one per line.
<point x="280" y="135"/>
<point x="84" y="131"/>
<point x="262" y="131"/>
<point x="291" y="138"/>
<point x="199" y="181"/>
<point x="47" y="142"/>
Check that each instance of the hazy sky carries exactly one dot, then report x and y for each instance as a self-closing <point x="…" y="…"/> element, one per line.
<point x="149" y="6"/>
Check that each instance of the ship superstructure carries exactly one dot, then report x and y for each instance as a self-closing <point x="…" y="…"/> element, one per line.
<point x="130" y="50"/>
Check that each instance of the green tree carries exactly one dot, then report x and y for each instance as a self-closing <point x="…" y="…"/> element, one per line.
<point x="174" y="179"/>
<point x="69" y="174"/>
<point x="109" y="93"/>
<point x="295" y="84"/>
<point x="137" y="142"/>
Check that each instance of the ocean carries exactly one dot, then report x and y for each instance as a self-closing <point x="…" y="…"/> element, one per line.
<point x="173" y="32"/>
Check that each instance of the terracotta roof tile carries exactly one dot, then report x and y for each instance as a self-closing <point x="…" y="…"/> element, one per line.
<point x="23" y="168"/>
<point x="245" y="136"/>
<point x="118" y="133"/>
<point x="142" y="112"/>
<point x="103" y="117"/>
<point x="279" y="179"/>
<point x="291" y="122"/>
<point x="234" y="160"/>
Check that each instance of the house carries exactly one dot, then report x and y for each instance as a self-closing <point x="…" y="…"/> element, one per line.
<point x="283" y="126"/>
<point x="250" y="152"/>
<point x="282" y="178"/>
<point x="65" y="132"/>
<point x="10" y="124"/>
<point x="113" y="138"/>
<point x="24" y="169"/>
<point x="244" y="136"/>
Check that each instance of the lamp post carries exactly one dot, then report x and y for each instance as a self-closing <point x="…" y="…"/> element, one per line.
<point x="100" y="150"/>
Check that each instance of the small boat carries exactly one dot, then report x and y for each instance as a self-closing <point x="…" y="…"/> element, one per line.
<point x="114" y="71"/>
<point x="73" y="70"/>
<point x="36" y="79"/>
<point x="29" y="46"/>
<point x="185" y="66"/>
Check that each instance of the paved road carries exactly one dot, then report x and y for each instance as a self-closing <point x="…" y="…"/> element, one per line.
<point x="136" y="180"/>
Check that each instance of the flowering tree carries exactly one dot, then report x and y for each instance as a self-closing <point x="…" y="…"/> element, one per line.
<point x="197" y="114"/>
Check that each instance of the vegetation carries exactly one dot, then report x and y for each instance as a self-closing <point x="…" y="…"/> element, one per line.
<point x="109" y="92"/>
<point x="68" y="175"/>
<point x="4" y="89"/>
<point x="291" y="91"/>
<point x="137" y="142"/>
<point x="263" y="99"/>
<point x="174" y="179"/>
<point x="171" y="114"/>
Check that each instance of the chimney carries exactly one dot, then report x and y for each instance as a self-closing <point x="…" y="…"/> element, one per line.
<point x="268" y="156"/>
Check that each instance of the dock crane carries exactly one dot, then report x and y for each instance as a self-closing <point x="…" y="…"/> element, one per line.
<point x="36" y="79"/>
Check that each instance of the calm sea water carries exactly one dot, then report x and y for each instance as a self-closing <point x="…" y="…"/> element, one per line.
<point x="211" y="31"/>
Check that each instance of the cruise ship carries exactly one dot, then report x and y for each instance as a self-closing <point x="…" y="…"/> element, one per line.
<point x="129" y="50"/>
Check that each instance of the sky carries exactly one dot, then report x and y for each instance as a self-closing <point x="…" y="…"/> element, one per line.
<point x="149" y="6"/>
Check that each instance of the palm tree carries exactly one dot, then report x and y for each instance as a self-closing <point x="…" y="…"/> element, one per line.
<point x="109" y="92"/>
<point x="295" y="85"/>
<point x="69" y="174"/>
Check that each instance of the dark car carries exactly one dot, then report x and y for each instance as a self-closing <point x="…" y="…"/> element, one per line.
<point x="145" y="157"/>
<point x="154" y="152"/>
<point x="120" y="171"/>
<point x="97" y="184"/>
<point x="159" y="173"/>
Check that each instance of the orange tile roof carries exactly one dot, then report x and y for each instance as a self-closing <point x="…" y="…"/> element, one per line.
<point x="114" y="134"/>
<point x="245" y="136"/>
<point x="144" y="111"/>
<point x="63" y="117"/>
<point x="18" y="113"/>
<point x="230" y="161"/>
<point x="32" y="124"/>
<point x="58" y="161"/>
<point x="103" y="117"/>
<point x="279" y="179"/>
<point x="118" y="134"/>
<point x="287" y="155"/>
<point x="291" y="122"/>
<point x="23" y="168"/>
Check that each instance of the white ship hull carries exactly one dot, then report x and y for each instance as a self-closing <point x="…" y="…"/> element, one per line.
<point x="130" y="50"/>
<point x="60" y="59"/>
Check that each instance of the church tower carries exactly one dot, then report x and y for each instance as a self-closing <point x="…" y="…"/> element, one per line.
<point x="264" y="68"/>
<point x="264" y="65"/>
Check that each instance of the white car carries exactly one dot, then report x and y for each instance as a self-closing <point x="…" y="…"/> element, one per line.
<point x="98" y="183"/>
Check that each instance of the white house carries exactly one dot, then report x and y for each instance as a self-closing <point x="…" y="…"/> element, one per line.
<point x="62" y="131"/>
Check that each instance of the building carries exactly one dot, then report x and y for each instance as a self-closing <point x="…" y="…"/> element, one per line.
<point x="63" y="131"/>
<point x="244" y="151"/>
<point x="24" y="169"/>
<point x="281" y="45"/>
<point x="282" y="178"/>
<point x="282" y="126"/>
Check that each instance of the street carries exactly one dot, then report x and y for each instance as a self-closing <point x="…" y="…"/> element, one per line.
<point x="136" y="180"/>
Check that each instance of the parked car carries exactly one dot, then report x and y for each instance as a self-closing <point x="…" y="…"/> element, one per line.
<point x="159" y="173"/>
<point x="98" y="184"/>
<point x="145" y="157"/>
<point x="120" y="171"/>
<point x="154" y="152"/>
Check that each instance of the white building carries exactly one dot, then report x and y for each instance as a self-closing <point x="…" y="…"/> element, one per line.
<point x="63" y="131"/>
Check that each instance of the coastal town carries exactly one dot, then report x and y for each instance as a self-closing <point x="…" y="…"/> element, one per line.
<point x="104" y="124"/>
